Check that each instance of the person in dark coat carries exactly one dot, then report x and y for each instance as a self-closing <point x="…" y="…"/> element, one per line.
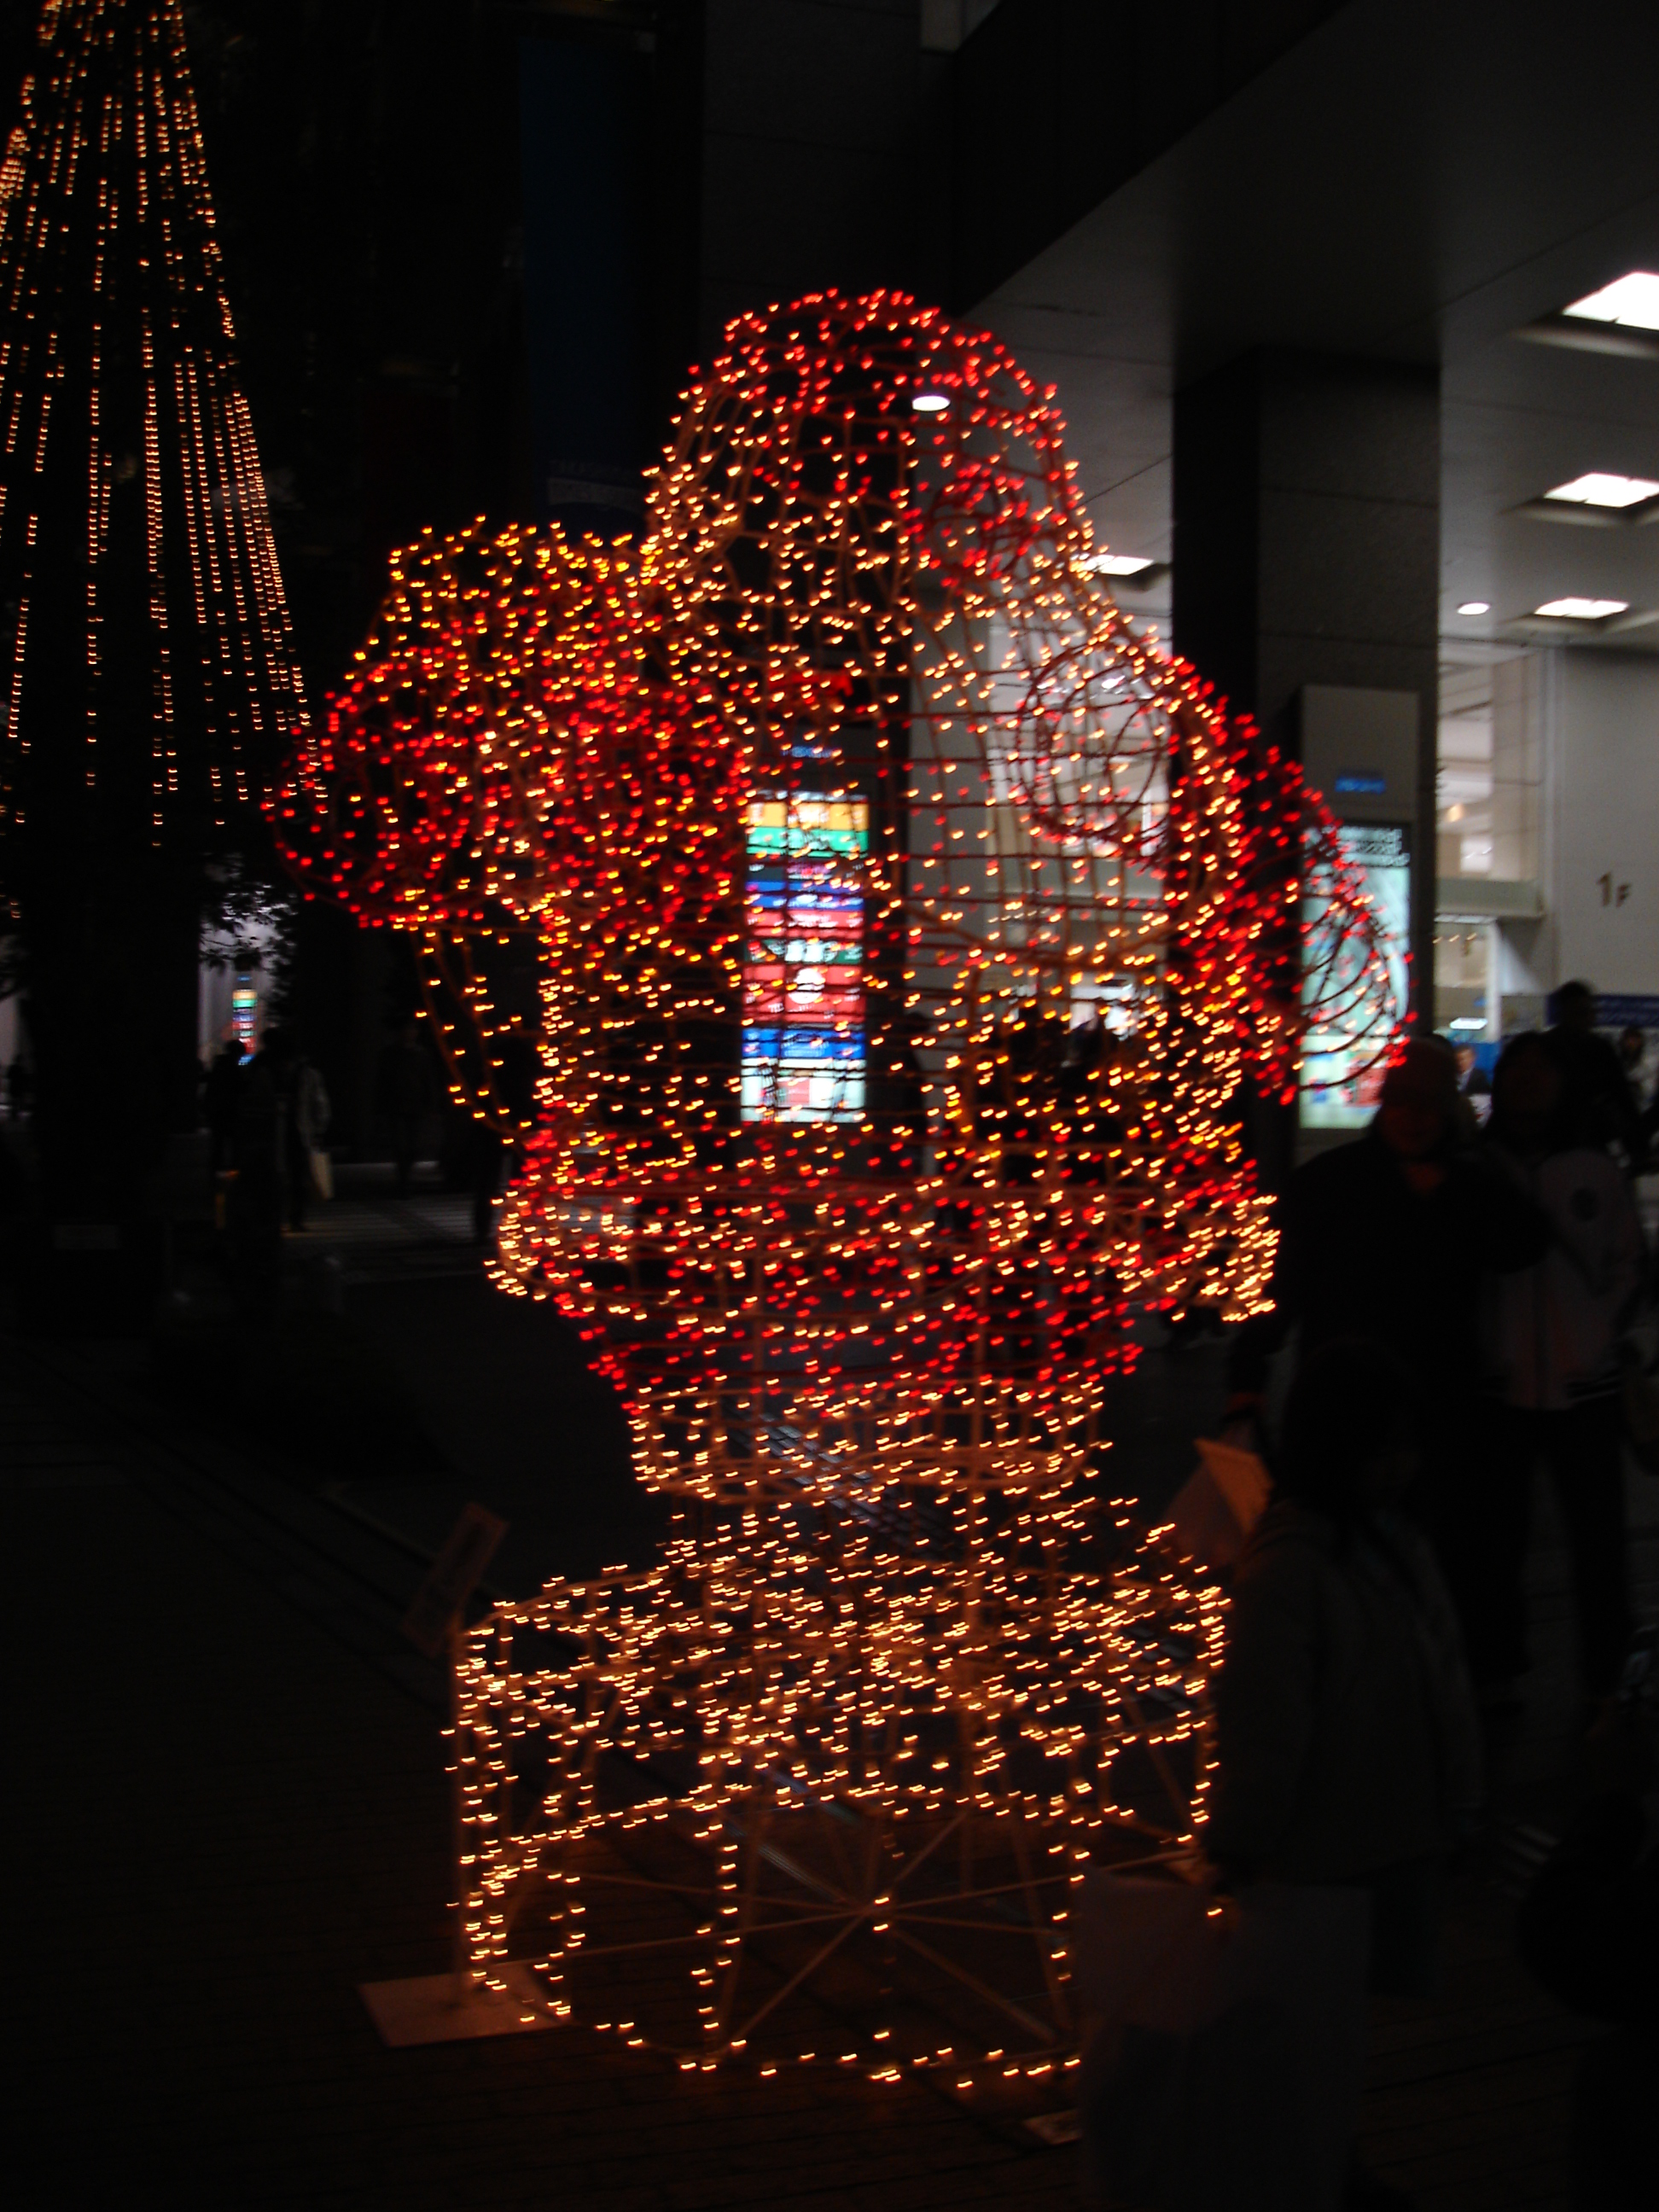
<point x="306" y="1117"/>
<point x="1347" y="1744"/>
<point x="221" y="1100"/>
<point x="1347" y="1748"/>
<point x="1552" y="1333"/>
<point x="1390" y="1239"/>
<point x="258" y="1196"/>
<point x="409" y="1095"/>
<point x="1601" y="1105"/>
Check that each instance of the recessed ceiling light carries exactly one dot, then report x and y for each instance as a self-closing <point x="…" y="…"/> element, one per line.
<point x="1632" y="301"/>
<point x="1119" y="564"/>
<point x="1571" y="610"/>
<point x="1599" y="489"/>
<point x="1475" y="607"/>
<point x="931" y="402"/>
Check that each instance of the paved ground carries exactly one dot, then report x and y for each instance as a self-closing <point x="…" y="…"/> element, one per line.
<point x="232" y="1807"/>
<point x="234" y="1811"/>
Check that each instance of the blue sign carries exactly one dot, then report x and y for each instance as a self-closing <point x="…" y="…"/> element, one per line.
<point x="1626" y="1009"/>
<point x="1362" y="783"/>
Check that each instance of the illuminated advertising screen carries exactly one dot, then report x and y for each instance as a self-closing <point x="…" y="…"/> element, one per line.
<point x="1339" y="1089"/>
<point x="803" y="978"/>
<point x="245" y="1014"/>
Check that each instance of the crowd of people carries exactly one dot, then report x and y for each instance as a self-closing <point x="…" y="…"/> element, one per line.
<point x="1500" y="1274"/>
<point x="1458" y="1297"/>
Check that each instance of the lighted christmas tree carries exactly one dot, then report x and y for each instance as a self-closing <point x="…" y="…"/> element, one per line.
<point x="148" y="683"/>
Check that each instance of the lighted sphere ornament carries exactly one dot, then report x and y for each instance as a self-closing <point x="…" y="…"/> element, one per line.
<point x="907" y="927"/>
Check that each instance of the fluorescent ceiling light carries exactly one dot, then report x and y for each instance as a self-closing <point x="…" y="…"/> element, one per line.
<point x="931" y="402"/>
<point x="1119" y="564"/>
<point x="1632" y="301"/>
<point x="1475" y="607"/>
<point x="1599" y="489"/>
<point x="1571" y="610"/>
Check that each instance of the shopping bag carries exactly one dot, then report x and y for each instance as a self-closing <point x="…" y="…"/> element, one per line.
<point x="322" y="1173"/>
<point x="1222" y="1500"/>
<point x="1226" y="2041"/>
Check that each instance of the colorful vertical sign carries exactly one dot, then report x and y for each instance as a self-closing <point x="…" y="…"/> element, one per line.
<point x="1342" y="1071"/>
<point x="802" y="981"/>
<point x="245" y="1014"/>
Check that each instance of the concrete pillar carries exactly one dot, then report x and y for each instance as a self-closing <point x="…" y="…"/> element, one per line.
<point x="1601" y="802"/>
<point x="1306" y="552"/>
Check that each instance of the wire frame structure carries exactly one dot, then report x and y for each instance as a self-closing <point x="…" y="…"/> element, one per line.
<point x="520" y="760"/>
<point x="906" y="928"/>
<point x="819" y="1788"/>
<point x="869" y="517"/>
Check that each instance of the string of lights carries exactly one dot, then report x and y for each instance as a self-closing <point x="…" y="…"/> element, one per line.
<point x="819" y="1788"/>
<point x="144" y="651"/>
<point x="907" y="927"/>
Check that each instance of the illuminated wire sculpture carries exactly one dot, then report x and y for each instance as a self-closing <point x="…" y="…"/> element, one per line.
<point x="907" y="927"/>
<point x="820" y="1786"/>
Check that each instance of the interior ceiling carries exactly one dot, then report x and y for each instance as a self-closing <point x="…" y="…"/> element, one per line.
<point x="1415" y="181"/>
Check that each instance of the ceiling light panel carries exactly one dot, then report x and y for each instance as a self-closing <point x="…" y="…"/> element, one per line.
<point x="1600" y="488"/>
<point x="1632" y="301"/>
<point x="1119" y="564"/>
<point x="1574" y="610"/>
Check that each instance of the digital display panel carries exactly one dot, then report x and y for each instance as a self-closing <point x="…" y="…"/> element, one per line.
<point x="1339" y="1090"/>
<point x="803" y="978"/>
<point x="245" y="1014"/>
